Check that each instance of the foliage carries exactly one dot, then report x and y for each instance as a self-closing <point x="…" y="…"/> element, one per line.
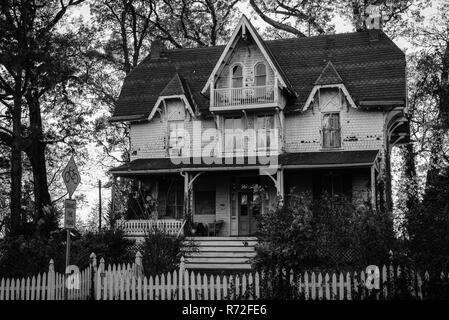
<point x="330" y="232"/>
<point x="108" y="244"/>
<point x="21" y="256"/>
<point x="428" y="225"/>
<point x="162" y="252"/>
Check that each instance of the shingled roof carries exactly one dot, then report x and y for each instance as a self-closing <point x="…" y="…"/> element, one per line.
<point x="371" y="68"/>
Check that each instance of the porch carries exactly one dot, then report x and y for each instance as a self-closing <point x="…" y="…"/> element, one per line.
<point x="225" y="200"/>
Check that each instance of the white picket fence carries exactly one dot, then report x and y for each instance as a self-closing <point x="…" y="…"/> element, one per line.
<point x="115" y="284"/>
<point x="47" y="286"/>
<point x="127" y="282"/>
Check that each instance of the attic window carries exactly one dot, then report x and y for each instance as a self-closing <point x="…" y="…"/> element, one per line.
<point x="260" y="72"/>
<point x="237" y="76"/>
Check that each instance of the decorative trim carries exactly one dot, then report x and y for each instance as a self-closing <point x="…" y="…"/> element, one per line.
<point x="317" y="87"/>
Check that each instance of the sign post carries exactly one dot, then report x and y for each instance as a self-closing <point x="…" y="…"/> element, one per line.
<point x="71" y="178"/>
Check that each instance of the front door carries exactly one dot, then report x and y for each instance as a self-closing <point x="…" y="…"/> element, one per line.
<point x="248" y="211"/>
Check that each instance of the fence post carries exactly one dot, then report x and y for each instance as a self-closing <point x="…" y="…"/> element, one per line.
<point x="51" y="280"/>
<point x="93" y="271"/>
<point x="99" y="281"/>
<point x="138" y="265"/>
<point x="182" y="268"/>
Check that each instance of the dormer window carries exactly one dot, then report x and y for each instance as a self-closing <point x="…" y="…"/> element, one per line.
<point x="331" y="130"/>
<point x="260" y="74"/>
<point x="237" y="76"/>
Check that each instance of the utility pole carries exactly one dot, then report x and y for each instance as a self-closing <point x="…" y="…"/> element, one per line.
<point x="99" y="205"/>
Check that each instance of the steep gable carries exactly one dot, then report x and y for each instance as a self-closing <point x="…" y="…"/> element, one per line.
<point x="245" y="32"/>
<point x="329" y="75"/>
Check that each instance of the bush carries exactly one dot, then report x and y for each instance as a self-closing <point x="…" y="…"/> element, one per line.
<point x="330" y="233"/>
<point x="162" y="252"/>
<point x="23" y="257"/>
<point x="108" y="244"/>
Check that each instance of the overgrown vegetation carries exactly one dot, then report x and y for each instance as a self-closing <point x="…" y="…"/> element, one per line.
<point x="161" y="252"/>
<point x="330" y="232"/>
<point x="21" y="256"/>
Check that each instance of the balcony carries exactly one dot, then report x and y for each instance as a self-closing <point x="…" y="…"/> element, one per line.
<point x="252" y="97"/>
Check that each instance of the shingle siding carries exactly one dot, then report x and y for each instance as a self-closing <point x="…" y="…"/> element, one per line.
<point x="361" y="130"/>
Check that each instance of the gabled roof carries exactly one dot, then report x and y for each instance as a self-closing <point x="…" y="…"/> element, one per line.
<point x="373" y="71"/>
<point x="176" y="87"/>
<point x="244" y="26"/>
<point x="329" y="75"/>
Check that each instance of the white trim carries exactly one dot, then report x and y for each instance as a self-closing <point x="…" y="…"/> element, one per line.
<point x="342" y="87"/>
<point x="246" y="25"/>
<point x="163" y="98"/>
<point x="243" y="107"/>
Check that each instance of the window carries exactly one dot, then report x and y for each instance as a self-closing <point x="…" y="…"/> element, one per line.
<point x="175" y="200"/>
<point x="237" y="76"/>
<point x="264" y="125"/>
<point x="331" y="130"/>
<point x="260" y="73"/>
<point x="175" y="137"/>
<point x="233" y="135"/>
<point x="336" y="183"/>
<point x="205" y="202"/>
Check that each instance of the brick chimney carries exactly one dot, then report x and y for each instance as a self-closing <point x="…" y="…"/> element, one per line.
<point x="157" y="48"/>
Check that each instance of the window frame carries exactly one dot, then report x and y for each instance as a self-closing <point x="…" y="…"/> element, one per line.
<point x="323" y="131"/>
<point x="268" y="142"/>
<point x="242" y="77"/>
<point x="256" y="76"/>
<point x="171" y="147"/>
<point x="235" y="150"/>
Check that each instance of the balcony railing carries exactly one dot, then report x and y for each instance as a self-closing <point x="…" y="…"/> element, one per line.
<point x="139" y="228"/>
<point x="243" y="96"/>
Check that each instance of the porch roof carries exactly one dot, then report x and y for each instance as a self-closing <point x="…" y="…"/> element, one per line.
<point x="304" y="160"/>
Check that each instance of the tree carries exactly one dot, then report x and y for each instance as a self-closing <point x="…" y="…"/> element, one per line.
<point x="37" y="59"/>
<point x="314" y="17"/>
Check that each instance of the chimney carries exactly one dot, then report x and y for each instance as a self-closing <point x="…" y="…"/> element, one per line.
<point x="374" y="35"/>
<point x="157" y="47"/>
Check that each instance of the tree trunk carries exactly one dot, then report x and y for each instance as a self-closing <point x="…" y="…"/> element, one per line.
<point x="36" y="154"/>
<point x="16" y="188"/>
<point x="410" y="176"/>
<point x="16" y="162"/>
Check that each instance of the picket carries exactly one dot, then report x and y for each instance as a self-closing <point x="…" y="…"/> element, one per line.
<point x="127" y="282"/>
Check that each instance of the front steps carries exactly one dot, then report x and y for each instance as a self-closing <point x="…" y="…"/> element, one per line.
<point x="221" y="253"/>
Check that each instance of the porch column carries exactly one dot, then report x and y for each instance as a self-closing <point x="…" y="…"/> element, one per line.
<point x="280" y="183"/>
<point x="113" y="186"/>
<point x="373" y="187"/>
<point x="186" y="194"/>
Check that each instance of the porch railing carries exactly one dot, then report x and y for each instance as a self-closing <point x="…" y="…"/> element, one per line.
<point x="243" y="96"/>
<point x="142" y="227"/>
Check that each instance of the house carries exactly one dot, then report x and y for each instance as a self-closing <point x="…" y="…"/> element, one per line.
<point x="210" y="126"/>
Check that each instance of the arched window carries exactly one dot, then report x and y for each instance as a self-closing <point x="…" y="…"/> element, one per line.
<point x="260" y="73"/>
<point x="237" y="76"/>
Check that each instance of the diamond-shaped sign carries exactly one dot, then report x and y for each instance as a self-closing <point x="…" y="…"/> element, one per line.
<point x="71" y="176"/>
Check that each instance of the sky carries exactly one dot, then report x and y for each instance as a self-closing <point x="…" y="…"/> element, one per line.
<point x="89" y="184"/>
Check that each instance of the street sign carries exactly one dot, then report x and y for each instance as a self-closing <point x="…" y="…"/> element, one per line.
<point x="71" y="176"/>
<point x="70" y="214"/>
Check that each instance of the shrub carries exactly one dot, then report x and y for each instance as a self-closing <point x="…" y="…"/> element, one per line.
<point x="162" y="252"/>
<point x="24" y="257"/>
<point x="330" y="233"/>
<point x="108" y="244"/>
